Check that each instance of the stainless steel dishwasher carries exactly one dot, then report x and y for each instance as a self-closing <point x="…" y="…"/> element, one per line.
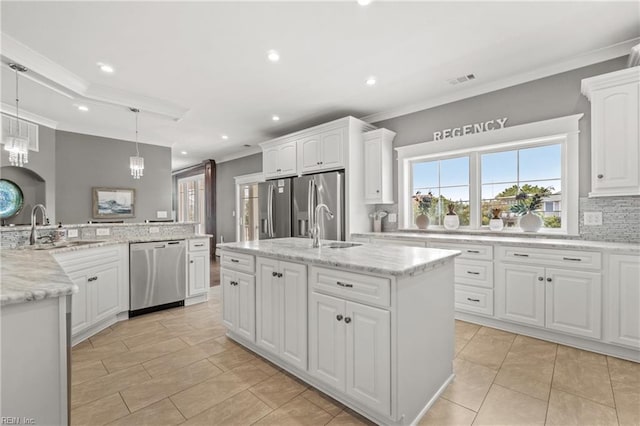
<point x="157" y="276"/>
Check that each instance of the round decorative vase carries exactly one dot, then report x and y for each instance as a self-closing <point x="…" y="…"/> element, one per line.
<point x="451" y="221"/>
<point x="530" y="222"/>
<point x="496" y="224"/>
<point x="422" y="221"/>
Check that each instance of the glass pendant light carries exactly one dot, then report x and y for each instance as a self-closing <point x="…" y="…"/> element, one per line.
<point x="136" y="163"/>
<point x="16" y="144"/>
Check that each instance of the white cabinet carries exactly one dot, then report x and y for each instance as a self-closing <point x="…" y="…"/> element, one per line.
<point x="624" y="300"/>
<point x="350" y="349"/>
<point x="101" y="275"/>
<point x="615" y="132"/>
<point x="199" y="267"/>
<point x="279" y="159"/>
<point x="238" y="302"/>
<point x="321" y="151"/>
<point x="520" y="293"/>
<point x="281" y="309"/>
<point x="378" y="166"/>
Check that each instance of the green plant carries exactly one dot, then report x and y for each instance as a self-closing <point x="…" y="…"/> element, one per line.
<point x="423" y="202"/>
<point x="526" y="203"/>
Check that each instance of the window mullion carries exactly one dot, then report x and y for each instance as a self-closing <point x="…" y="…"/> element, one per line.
<point x="475" y="191"/>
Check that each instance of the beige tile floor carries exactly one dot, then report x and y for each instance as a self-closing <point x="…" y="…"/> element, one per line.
<point x="177" y="367"/>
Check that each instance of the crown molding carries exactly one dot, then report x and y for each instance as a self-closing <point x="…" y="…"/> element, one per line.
<point x="600" y="55"/>
<point x="53" y="76"/>
<point x="238" y="154"/>
<point x="10" y="110"/>
<point x="616" y="78"/>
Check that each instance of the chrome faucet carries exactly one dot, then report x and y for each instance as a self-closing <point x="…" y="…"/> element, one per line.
<point x="316" y="231"/>
<point x="32" y="237"/>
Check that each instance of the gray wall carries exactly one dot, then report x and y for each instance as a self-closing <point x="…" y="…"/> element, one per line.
<point x="551" y="97"/>
<point x="85" y="161"/>
<point x="41" y="163"/>
<point x="226" y="192"/>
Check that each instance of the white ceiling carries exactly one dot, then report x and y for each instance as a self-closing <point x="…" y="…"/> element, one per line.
<point x="209" y="59"/>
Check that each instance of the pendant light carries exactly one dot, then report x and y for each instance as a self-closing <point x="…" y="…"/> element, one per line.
<point x="136" y="163"/>
<point x="16" y="144"/>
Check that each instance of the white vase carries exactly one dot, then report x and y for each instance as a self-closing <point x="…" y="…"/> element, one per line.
<point x="451" y="221"/>
<point x="496" y="224"/>
<point x="530" y="222"/>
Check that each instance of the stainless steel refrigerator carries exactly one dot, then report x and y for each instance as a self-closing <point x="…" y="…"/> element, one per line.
<point x="274" y="198"/>
<point x="311" y="190"/>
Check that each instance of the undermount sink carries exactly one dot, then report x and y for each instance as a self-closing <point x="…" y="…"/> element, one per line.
<point x="62" y="244"/>
<point x="341" y="245"/>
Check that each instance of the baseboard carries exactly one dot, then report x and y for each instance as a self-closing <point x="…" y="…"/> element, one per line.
<point x="97" y="328"/>
<point x="433" y="400"/>
<point x="196" y="299"/>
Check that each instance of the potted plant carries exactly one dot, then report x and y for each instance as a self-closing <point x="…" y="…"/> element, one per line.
<point x="525" y="207"/>
<point x="451" y="219"/>
<point x="423" y="204"/>
<point x="496" y="223"/>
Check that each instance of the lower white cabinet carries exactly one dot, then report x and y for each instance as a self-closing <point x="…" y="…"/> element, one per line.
<point x="198" y="270"/>
<point x="281" y="309"/>
<point x="566" y="300"/>
<point x="624" y="300"/>
<point x="350" y="349"/>
<point x="239" y="302"/>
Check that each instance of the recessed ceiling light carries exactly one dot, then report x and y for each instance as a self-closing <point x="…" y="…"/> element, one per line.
<point x="225" y="137"/>
<point x="83" y="108"/>
<point x="364" y="2"/>
<point x="371" y="81"/>
<point x="105" y="67"/>
<point x="275" y="118"/>
<point x="183" y="152"/>
<point x="273" y="56"/>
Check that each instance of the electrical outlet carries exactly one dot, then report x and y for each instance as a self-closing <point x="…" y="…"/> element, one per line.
<point x="592" y="218"/>
<point x="154" y="230"/>
<point x="161" y="214"/>
<point x="102" y="232"/>
<point x="392" y="218"/>
<point x="72" y="233"/>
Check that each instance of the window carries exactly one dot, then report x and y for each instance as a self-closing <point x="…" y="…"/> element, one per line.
<point x="191" y="200"/>
<point x="529" y="170"/>
<point x="448" y="181"/>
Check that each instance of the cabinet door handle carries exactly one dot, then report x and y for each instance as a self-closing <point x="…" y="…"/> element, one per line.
<point x="235" y="260"/>
<point x="540" y="279"/>
<point x="274" y="274"/>
<point x="195" y="245"/>
<point x="549" y="280"/>
<point x="520" y="255"/>
<point x="322" y="162"/>
<point x="573" y="259"/>
<point x="600" y="176"/>
<point x="92" y="279"/>
<point x="339" y="317"/>
<point x="473" y="251"/>
<point x="191" y="261"/>
<point x="472" y="300"/>
<point x="377" y="191"/>
<point x="473" y="273"/>
<point x="279" y="274"/>
<point x="347" y="320"/>
<point x="341" y="284"/>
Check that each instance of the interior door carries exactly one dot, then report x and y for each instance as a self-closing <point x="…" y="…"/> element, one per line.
<point x="327" y="340"/>
<point x="520" y="293"/>
<point x="294" y="313"/>
<point x="267" y="305"/>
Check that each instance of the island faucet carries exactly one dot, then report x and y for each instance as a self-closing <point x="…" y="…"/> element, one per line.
<point x="32" y="237"/>
<point x="316" y="231"/>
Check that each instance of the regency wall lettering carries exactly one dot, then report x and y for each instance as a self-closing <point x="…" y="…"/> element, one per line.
<point x="483" y="126"/>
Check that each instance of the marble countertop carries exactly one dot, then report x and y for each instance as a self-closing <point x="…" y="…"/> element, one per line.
<point x="369" y="258"/>
<point x="558" y="243"/>
<point x="28" y="275"/>
<point x="10" y="228"/>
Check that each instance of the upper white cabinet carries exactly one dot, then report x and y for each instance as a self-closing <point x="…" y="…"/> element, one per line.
<point x="378" y="166"/>
<point x="279" y="159"/>
<point x="615" y="132"/>
<point x="624" y="300"/>
<point x="321" y="151"/>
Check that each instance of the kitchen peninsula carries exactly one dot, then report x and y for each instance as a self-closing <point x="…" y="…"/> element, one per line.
<point x="370" y="326"/>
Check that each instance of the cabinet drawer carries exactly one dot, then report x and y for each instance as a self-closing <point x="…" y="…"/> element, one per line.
<point x="357" y="287"/>
<point x="470" y="272"/>
<point x="473" y="299"/>
<point x="200" y="244"/>
<point x="549" y="257"/>
<point x="407" y="243"/>
<point x="238" y="261"/>
<point x="78" y="260"/>
<point x="469" y="251"/>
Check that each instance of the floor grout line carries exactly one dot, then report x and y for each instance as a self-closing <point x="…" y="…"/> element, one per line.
<point x="555" y="360"/>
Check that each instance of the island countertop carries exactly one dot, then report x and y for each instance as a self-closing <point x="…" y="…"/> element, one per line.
<point x="369" y="258"/>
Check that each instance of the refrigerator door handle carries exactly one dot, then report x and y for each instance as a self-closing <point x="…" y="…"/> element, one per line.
<point x="310" y="206"/>
<point x="272" y="191"/>
<point x="269" y="218"/>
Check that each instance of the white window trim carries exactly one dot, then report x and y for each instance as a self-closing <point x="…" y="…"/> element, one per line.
<point x="565" y="130"/>
<point x="240" y="181"/>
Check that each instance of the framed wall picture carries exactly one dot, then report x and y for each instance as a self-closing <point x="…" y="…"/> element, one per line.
<point x="113" y="203"/>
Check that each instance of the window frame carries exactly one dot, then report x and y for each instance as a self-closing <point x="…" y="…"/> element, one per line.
<point x="563" y="130"/>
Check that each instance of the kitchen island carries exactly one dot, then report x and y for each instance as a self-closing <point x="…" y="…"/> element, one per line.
<point x="369" y="325"/>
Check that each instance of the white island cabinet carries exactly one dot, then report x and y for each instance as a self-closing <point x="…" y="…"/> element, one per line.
<point x="370" y="327"/>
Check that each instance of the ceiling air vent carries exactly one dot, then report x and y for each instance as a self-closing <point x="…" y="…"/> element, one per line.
<point x="462" y="79"/>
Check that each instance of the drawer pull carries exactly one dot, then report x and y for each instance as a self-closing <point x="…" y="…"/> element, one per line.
<point x="274" y="274"/>
<point x="573" y="259"/>
<point x="540" y="279"/>
<point x="473" y="251"/>
<point x="92" y="279"/>
<point x="339" y="317"/>
<point x="549" y="280"/>
<point x="197" y="245"/>
<point x="473" y="300"/>
<point x="520" y="255"/>
<point x="341" y="284"/>
<point x="347" y="320"/>
<point x="473" y="273"/>
<point x="279" y="274"/>
<point x="235" y="260"/>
